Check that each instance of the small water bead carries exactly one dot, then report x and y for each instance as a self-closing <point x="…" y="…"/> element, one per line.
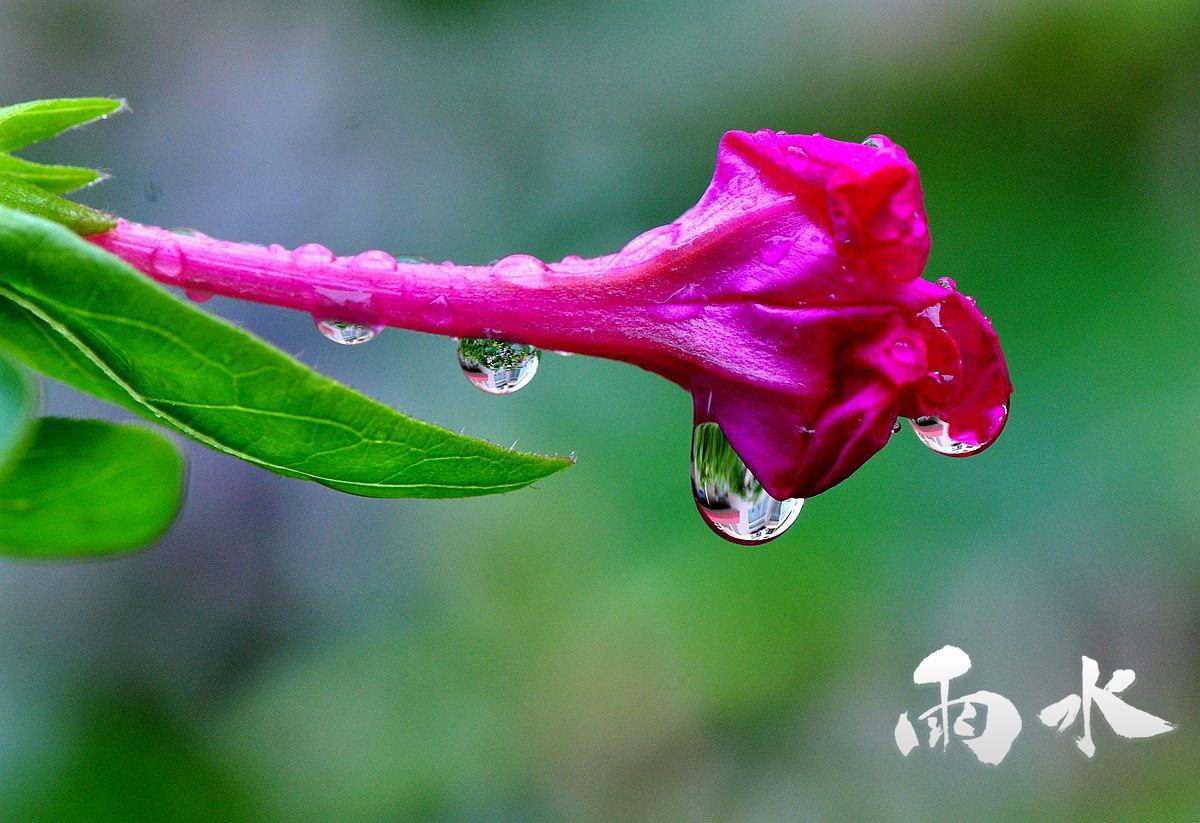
<point x="198" y="295"/>
<point x="947" y="283"/>
<point x="412" y="258"/>
<point x="730" y="499"/>
<point x="518" y="267"/>
<point x="312" y="256"/>
<point x="873" y="143"/>
<point x="934" y="432"/>
<point x="497" y="366"/>
<point x="187" y="232"/>
<point x="345" y="333"/>
<point x="374" y="261"/>
<point x="896" y="426"/>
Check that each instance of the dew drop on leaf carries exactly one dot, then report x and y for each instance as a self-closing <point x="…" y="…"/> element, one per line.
<point x="730" y="499"/>
<point x="497" y="366"/>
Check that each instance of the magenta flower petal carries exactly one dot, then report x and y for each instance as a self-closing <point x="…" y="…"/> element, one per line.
<point x="787" y="301"/>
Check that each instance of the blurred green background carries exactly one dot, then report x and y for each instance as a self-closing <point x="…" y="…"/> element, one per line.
<point x="587" y="650"/>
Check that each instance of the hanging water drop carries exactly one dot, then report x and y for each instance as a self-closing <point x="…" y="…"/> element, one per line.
<point x="934" y="431"/>
<point x="346" y="333"/>
<point x="497" y="366"/>
<point x="730" y="499"/>
<point x="198" y="295"/>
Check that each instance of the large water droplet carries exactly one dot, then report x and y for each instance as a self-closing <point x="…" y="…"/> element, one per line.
<point x="167" y="260"/>
<point x="730" y="499"/>
<point x="346" y="333"/>
<point x="934" y="431"/>
<point x="497" y="366"/>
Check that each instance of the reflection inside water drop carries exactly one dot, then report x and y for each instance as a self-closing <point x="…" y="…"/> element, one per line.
<point x="934" y="431"/>
<point x="346" y="333"/>
<point x="729" y="497"/>
<point x="497" y="366"/>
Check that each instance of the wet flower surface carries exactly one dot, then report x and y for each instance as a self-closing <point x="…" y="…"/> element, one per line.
<point x="788" y="302"/>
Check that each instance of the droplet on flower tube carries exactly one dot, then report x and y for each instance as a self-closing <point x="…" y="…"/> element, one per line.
<point x="345" y="333"/>
<point x="167" y="260"/>
<point x="497" y="366"/>
<point x="729" y="497"/>
<point x="312" y="256"/>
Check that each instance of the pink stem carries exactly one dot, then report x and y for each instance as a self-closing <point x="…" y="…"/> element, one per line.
<point x="557" y="306"/>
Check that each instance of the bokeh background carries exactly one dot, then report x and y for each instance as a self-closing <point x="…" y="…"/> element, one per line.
<point x="586" y="649"/>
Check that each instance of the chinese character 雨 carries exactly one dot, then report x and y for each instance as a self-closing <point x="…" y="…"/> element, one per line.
<point x="1002" y="724"/>
<point x="1125" y="720"/>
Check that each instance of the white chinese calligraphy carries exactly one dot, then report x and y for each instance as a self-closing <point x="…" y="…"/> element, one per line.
<point x="1000" y="726"/>
<point x="1125" y="720"/>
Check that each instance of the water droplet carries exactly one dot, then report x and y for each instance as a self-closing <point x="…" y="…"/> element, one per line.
<point x="187" y="232"/>
<point x="947" y="283"/>
<point x="312" y="256"/>
<point x="374" y="261"/>
<point x="934" y="431"/>
<point x="497" y="366"/>
<point x="198" y="295"/>
<point x="167" y="260"/>
<point x="730" y="499"/>
<point x="518" y="267"/>
<point x="412" y="258"/>
<point x="775" y="249"/>
<point x="873" y="143"/>
<point x="896" y="427"/>
<point x="346" y="333"/>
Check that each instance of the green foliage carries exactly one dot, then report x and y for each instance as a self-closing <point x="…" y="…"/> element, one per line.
<point x="17" y="400"/>
<point x="88" y="487"/>
<point x="80" y="315"/>
<point x="23" y="124"/>
<point x="34" y="187"/>
<point x="26" y="197"/>
<point x="55" y="179"/>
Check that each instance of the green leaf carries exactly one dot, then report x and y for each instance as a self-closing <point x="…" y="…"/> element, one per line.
<point x="25" y="123"/>
<point x="57" y="179"/>
<point x="17" y="194"/>
<point x="88" y="487"/>
<point x="18" y="398"/>
<point x="80" y="315"/>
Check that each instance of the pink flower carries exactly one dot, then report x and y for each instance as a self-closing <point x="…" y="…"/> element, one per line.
<point x="788" y="301"/>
